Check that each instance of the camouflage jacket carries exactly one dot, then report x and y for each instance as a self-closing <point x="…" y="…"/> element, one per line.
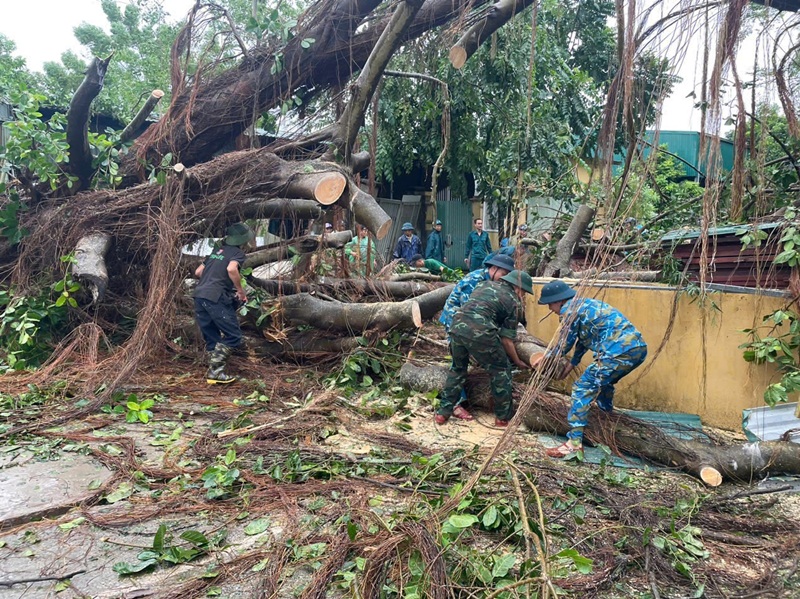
<point x="492" y="310"/>
<point x="460" y="294"/>
<point x="596" y="326"/>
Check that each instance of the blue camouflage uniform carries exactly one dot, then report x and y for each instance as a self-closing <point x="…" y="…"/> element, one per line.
<point x="618" y="349"/>
<point x="460" y="294"/>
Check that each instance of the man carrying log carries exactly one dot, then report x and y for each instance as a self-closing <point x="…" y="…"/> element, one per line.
<point x="215" y="301"/>
<point x="618" y="349"/>
<point x="485" y="328"/>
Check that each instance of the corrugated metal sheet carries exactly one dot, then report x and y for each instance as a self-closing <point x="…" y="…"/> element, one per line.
<point x="769" y="424"/>
<point x="730" y="263"/>
<point x="401" y="211"/>
<point x="686" y="145"/>
<point x="456" y="217"/>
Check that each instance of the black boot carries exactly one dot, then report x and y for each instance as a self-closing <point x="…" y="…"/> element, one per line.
<point x="217" y="359"/>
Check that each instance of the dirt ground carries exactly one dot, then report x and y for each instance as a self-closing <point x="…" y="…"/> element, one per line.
<point x="312" y="482"/>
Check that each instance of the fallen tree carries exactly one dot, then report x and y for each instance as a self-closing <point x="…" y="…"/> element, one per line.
<point x="712" y="463"/>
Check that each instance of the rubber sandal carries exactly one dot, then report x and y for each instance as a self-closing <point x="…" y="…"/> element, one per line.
<point x="462" y="414"/>
<point x="440" y="419"/>
<point x="500" y="423"/>
<point x="564" y="450"/>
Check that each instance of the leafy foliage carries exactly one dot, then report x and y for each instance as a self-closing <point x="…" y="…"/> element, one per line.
<point x="166" y="550"/>
<point x="30" y="324"/>
<point x="780" y="347"/>
<point x="139" y="37"/>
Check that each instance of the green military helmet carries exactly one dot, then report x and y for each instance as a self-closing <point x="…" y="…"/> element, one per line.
<point x="520" y="279"/>
<point x="239" y="234"/>
<point x="556" y="291"/>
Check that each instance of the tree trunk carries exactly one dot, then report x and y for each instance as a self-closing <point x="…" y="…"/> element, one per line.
<point x="279" y="208"/>
<point x="80" y="157"/>
<point x="559" y="265"/>
<point x="359" y="287"/>
<point x="623" y="433"/>
<point x="350" y="318"/>
<point x="89" y="267"/>
<point x="497" y="15"/>
<point x="132" y="128"/>
<point x="649" y="276"/>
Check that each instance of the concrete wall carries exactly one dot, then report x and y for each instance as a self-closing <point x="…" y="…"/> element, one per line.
<point x="700" y="369"/>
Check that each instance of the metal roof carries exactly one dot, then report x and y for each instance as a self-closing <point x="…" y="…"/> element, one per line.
<point x="769" y="424"/>
<point x="790" y="5"/>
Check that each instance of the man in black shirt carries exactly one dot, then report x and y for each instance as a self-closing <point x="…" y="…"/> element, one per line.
<point x="216" y="297"/>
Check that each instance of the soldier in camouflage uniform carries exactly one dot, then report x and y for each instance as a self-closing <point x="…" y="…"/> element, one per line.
<point x="485" y="328"/>
<point x="617" y="346"/>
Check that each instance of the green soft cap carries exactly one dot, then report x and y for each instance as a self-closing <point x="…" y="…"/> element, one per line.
<point x="238" y="234"/>
<point x="520" y="279"/>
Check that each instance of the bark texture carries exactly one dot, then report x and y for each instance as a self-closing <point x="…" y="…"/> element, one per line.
<point x="625" y="434"/>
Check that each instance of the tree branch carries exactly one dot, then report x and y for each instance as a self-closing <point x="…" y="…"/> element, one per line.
<point x="80" y="157"/>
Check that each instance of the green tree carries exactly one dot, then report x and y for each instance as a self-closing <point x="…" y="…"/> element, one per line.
<point x="140" y="38"/>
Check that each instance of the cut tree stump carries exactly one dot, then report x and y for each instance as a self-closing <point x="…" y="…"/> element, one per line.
<point x="90" y="263"/>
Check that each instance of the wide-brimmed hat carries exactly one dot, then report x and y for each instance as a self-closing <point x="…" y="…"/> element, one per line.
<point x="500" y="260"/>
<point x="407" y="227"/>
<point x="556" y="291"/>
<point x="519" y="278"/>
<point x="238" y="234"/>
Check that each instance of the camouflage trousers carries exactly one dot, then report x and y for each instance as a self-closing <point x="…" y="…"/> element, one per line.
<point x="489" y="356"/>
<point x="597" y="382"/>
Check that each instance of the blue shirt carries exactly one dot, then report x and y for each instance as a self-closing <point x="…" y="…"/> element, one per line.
<point x="596" y="326"/>
<point x="406" y="247"/>
<point x="460" y="294"/>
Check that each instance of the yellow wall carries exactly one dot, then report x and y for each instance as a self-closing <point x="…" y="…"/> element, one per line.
<point x="700" y="369"/>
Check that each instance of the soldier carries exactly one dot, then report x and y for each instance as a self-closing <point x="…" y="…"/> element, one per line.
<point x="434" y="248"/>
<point x="495" y="266"/>
<point x="215" y="298"/>
<point x="478" y="246"/>
<point x="617" y="346"/>
<point x="434" y="266"/>
<point x="485" y="328"/>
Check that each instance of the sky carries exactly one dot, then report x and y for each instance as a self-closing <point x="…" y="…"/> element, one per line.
<point x="42" y="30"/>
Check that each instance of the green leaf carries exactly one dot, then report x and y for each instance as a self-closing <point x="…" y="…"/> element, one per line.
<point x="158" y="539"/>
<point x="352" y="530"/>
<point x="462" y="520"/>
<point x="123" y="491"/>
<point x="257" y="526"/>
<point x="124" y="569"/>
<point x="72" y="523"/>
<point x="196" y="538"/>
<point x="230" y="457"/>
<point x="503" y="564"/>
<point x="490" y="516"/>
